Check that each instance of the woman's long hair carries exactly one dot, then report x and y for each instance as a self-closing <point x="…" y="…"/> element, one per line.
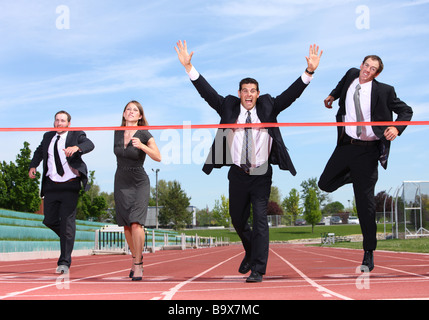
<point x="142" y="121"/>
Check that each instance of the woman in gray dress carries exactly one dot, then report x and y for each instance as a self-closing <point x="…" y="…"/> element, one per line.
<point x="132" y="187"/>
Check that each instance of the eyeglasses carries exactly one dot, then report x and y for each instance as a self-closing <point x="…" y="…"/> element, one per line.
<point x="373" y="69"/>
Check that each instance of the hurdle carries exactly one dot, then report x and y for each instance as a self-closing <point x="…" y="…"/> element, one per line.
<point x="110" y="239"/>
<point x="196" y="242"/>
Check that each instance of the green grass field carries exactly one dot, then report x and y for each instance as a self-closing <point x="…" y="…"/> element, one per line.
<point x="304" y="232"/>
<point x="420" y="245"/>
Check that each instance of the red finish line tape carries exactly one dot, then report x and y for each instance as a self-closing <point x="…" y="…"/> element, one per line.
<point x="230" y="125"/>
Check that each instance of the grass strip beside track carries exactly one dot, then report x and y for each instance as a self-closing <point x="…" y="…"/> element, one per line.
<point x="304" y="232"/>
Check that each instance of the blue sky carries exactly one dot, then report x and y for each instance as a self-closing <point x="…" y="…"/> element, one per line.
<point x="116" y="51"/>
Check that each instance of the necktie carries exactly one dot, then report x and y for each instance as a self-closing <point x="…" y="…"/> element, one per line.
<point x="247" y="146"/>
<point x="359" y="117"/>
<point x="58" y="163"/>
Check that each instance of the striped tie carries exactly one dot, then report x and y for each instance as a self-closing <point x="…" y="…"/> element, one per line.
<point x="359" y="117"/>
<point x="247" y="146"/>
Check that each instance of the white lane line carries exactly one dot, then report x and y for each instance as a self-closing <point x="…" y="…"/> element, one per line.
<point x="376" y="265"/>
<point x="168" y="295"/>
<point x="58" y="283"/>
<point x="59" y="279"/>
<point x="325" y="291"/>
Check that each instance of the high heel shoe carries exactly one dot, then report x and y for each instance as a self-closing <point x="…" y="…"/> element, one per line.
<point x="132" y="271"/>
<point x="138" y="278"/>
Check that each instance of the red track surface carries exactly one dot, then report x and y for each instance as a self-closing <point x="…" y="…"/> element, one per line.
<point x="294" y="272"/>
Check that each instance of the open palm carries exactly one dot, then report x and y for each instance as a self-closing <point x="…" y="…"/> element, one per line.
<point x="313" y="58"/>
<point x="184" y="57"/>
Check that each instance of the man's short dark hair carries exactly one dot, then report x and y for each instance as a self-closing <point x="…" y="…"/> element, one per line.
<point x="64" y="112"/>
<point x="247" y="81"/>
<point x="380" y="62"/>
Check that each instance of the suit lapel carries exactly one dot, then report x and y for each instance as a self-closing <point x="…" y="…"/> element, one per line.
<point x="48" y="142"/>
<point x="69" y="137"/>
<point x="235" y="113"/>
<point x="352" y="77"/>
<point x="346" y="88"/>
<point x="259" y="112"/>
<point x="374" y="97"/>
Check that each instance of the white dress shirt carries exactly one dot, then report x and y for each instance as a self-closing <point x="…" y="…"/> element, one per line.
<point x="365" y="104"/>
<point x="262" y="141"/>
<point x="69" y="172"/>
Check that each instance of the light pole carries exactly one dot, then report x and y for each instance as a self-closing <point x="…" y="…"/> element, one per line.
<point x="156" y="173"/>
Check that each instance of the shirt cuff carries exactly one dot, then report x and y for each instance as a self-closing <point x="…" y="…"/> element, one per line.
<point x="306" y="78"/>
<point x="193" y="74"/>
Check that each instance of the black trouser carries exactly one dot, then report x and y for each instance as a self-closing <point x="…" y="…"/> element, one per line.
<point x="246" y="190"/>
<point x="60" y="203"/>
<point x="357" y="164"/>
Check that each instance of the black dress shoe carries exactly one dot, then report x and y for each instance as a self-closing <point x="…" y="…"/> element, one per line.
<point x="254" y="277"/>
<point x="244" y="266"/>
<point x="368" y="261"/>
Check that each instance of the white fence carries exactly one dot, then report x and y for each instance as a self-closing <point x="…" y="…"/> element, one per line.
<point x="111" y="240"/>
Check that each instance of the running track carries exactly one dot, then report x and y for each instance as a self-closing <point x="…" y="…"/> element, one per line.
<point x="295" y="272"/>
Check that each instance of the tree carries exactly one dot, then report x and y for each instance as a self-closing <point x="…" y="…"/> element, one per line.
<point x="17" y="191"/>
<point x="275" y="195"/>
<point x="205" y="217"/>
<point x="90" y="203"/>
<point x="109" y="198"/>
<point x="220" y="211"/>
<point x="333" y="207"/>
<point x="312" y="183"/>
<point x="312" y="213"/>
<point x="274" y="209"/>
<point x="163" y="187"/>
<point x="174" y="204"/>
<point x="381" y="198"/>
<point x="291" y="205"/>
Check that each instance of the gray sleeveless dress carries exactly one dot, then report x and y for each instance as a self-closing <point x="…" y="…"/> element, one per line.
<point x="132" y="186"/>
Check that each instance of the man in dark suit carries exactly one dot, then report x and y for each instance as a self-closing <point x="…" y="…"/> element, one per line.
<point x="359" y="148"/>
<point x="249" y="153"/>
<point x="64" y="174"/>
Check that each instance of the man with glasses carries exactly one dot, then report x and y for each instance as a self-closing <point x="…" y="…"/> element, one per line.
<point x="359" y="148"/>
<point x="249" y="152"/>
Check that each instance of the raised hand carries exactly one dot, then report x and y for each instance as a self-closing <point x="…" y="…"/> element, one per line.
<point x="184" y="56"/>
<point x="313" y="58"/>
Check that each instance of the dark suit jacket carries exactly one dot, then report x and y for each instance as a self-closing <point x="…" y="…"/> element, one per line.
<point x="383" y="103"/>
<point x="74" y="138"/>
<point x="267" y="109"/>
